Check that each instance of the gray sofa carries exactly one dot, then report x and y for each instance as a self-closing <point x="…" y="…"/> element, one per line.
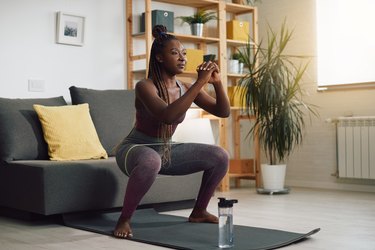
<point x="30" y="182"/>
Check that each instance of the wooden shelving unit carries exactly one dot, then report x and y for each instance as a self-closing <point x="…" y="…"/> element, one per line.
<point x="223" y="44"/>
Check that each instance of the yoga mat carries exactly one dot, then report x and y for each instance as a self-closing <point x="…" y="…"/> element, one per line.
<point x="175" y="232"/>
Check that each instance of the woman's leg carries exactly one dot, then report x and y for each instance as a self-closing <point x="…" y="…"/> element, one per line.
<point x="189" y="158"/>
<point x="143" y="165"/>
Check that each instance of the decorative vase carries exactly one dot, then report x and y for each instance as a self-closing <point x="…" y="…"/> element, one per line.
<point x="233" y="66"/>
<point x="273" y="176"/>
<point x="196" y="29"/>
<point x="240" y="68"/>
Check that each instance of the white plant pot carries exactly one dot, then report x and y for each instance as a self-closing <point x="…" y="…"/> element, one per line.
<point x="273" y="176"/>
<point x="233" y="66"/>
<point x="196" y="29"/>
<point x="240" y="68"/>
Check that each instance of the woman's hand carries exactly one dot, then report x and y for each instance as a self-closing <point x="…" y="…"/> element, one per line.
<point x="218" y="105"/>
<point x="205" y="71"/>
<point x="215" y="76"/>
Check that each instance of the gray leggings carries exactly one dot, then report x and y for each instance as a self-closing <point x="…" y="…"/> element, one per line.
<point x="138" y="157"/>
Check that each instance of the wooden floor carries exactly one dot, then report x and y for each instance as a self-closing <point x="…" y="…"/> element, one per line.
<point x="346" y="219"/>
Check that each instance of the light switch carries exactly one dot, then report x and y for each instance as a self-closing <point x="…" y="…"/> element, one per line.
<point x="36" y="85"/>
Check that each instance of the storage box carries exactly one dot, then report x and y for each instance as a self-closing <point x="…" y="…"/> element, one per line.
<point x="238" y="30"/>
<point x="194" y="58"/>
<point x="162" y="17"/>
<point x="241" y="166"/>
<point x="234" y="94"/>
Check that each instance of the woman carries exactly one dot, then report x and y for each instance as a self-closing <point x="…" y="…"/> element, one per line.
<point x="161" y="103"/>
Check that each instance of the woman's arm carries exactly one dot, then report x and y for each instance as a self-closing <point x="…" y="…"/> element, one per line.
<point x="219" y="106"/>
<point x="146" y="92"/>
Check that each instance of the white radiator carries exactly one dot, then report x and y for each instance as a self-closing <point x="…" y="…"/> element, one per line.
<point x="356" y="147"/>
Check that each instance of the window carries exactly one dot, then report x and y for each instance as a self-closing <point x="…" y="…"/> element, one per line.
<point x="345" y="42"/>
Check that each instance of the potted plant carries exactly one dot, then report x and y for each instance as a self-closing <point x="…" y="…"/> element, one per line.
<point x="248" y="2"/>
<point x="233" y="63"/>
<point x="197" y="20"/>
<point x="241" y="64"/>
<point x="271" y="91"/>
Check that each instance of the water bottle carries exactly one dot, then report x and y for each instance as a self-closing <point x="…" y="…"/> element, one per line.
<point x="226" y="223"/>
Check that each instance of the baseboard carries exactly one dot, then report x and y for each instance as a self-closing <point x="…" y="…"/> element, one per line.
<point x="340" y="185"/>
<point x="27" y="216"/>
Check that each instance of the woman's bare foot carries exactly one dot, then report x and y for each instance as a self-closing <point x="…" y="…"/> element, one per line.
<point x="202" y="216"/>
<point x="123" y="229"/>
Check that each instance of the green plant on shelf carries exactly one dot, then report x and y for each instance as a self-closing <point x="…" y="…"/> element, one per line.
<point x="237" y="56"/>
<point x="248" y="2"/>
<point x="201" y="16"/>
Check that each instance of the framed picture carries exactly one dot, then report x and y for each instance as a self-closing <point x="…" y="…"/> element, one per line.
<point x="70" y="29"/>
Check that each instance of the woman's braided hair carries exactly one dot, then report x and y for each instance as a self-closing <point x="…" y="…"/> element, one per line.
<point x="159" y="32"/>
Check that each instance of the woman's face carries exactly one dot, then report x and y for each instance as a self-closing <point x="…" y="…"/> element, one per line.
<point x="173" y="57"/>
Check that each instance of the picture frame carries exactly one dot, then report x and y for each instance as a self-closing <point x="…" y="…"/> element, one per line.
<point x="70" y="29"/>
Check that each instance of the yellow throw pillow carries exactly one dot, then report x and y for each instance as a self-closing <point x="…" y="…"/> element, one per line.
<point x="70" y="132"/>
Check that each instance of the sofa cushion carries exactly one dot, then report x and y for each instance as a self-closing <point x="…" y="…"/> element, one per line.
<point x="70" y="132"/>
<point x="55" y="187"/>
<point x="21" y="136"/>
<point x="112" y="112"/>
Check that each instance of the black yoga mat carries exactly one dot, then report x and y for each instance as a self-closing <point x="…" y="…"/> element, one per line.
<point x="175" y="232"/>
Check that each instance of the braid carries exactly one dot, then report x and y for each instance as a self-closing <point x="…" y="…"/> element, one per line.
<point x="159" y="32"/>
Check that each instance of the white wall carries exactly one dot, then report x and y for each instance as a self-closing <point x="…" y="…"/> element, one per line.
<point x="312" y="164"/>
<point x="28" y="49"/>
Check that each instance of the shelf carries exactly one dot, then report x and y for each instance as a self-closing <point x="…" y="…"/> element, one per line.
<point x="242" y="175"/>
<point x="139" y="57"/>
<point x="239" y="9"/>
<point x="139" y="71"/>
<point x="140" y="35"/>
<point x="236" y="43"/>
<point x="191" y="3"/>
<point x="236" y="75"/>
<point x="230" y="7"/>
<point x="184" y="74"/>
<point x="196" y="39"/>
<point x="185" y="38"/>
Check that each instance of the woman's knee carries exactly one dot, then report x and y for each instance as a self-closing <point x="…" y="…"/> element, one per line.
<point x="146" y="160"/>
<point x="152" y="162"/>
<point x="222" y="158"/>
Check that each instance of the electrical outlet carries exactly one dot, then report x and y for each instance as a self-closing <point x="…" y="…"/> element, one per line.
<point x="36" y="85"/>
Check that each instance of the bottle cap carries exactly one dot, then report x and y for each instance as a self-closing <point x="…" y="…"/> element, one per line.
<point x="226" y="203"/>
